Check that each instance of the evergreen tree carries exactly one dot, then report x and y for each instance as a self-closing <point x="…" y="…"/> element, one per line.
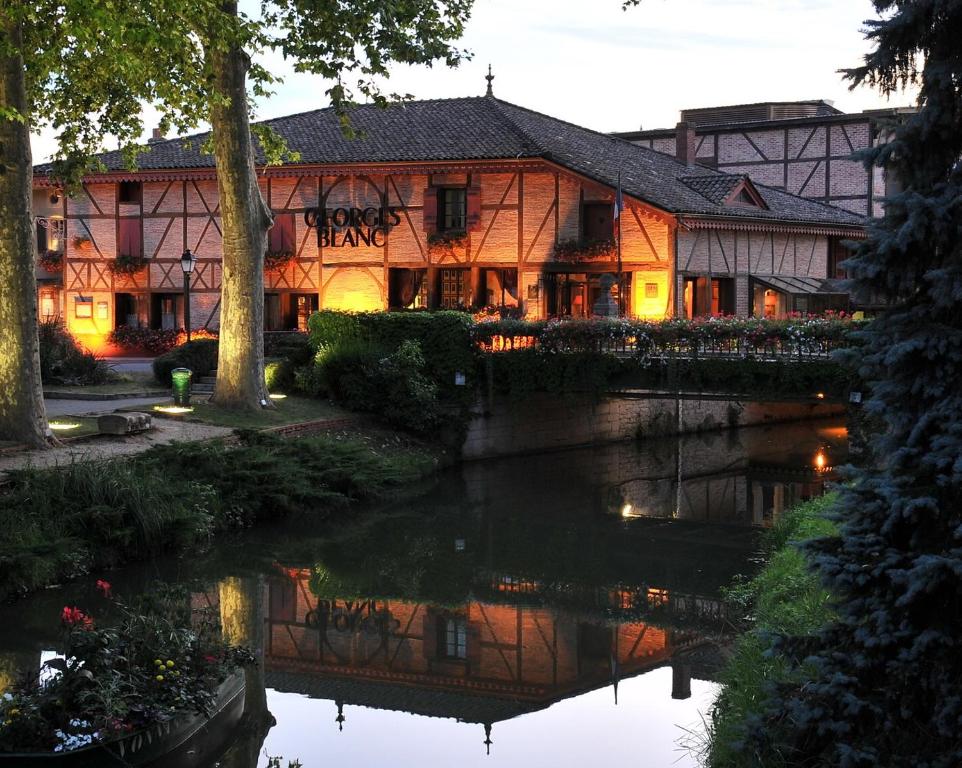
<point x="885" y="678"/>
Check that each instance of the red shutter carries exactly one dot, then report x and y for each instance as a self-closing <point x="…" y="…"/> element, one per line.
<point x="474" y="208"/>
<point x="429" y="635"/>
<point x="431" y="209"/>
<point x="128" y="239"/>
<point x="281" y="237"/>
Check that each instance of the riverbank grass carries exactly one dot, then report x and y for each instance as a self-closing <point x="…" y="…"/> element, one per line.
<point x="59" y="523"/>
<point x="785" y="597"/>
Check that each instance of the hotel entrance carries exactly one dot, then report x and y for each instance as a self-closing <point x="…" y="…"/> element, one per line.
<point x="577" y="294"/>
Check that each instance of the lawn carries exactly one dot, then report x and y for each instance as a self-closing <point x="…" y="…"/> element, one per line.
<point x="290" y="410"/>
<point x="130" y="384"/>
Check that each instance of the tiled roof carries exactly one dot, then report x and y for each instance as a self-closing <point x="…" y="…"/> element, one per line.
<point x="486" y="128"/>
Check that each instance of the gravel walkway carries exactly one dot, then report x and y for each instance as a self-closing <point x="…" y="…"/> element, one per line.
<point x="105" y="447"/>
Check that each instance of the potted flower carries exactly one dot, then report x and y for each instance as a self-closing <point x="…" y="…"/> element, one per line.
<point x="277" y="261"/>
<point x="127" y="265"/>
<point x="447" y="243"/>
<point x="51" y="261"/>
<point x="577" y="250"/>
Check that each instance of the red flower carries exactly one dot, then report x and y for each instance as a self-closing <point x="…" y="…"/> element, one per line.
<point x="73" y="617"/>
<point x="103" y="587"/>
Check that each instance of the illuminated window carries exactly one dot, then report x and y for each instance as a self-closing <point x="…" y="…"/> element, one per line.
<point x="454" y="640"/>
<point x="651" y="290"/>
<point x="452" y="209"/>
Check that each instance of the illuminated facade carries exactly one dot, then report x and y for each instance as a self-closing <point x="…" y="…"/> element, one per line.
<point x="459" y="203"/>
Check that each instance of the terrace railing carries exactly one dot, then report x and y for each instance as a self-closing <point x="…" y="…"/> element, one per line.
<point x="798" y="339"/>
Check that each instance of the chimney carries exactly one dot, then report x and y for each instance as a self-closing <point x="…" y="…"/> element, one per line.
<point x="685" y="143"/>
<point x="158" y="135"/>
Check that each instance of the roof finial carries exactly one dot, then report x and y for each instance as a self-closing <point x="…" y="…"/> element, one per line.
<point x="489" y="77"/>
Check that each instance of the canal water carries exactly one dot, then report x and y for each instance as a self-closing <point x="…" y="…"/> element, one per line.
<point x="560" y="609"/>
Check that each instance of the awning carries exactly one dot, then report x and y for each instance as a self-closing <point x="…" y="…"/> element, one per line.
<point x="794" y="284"/>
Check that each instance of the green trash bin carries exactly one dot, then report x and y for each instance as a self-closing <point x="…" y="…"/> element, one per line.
<point x="181" y="377"/>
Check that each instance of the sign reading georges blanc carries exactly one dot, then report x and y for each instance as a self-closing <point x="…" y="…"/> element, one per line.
<point x="341" y="227"/>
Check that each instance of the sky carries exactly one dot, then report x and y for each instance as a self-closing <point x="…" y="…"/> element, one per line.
<point x="591" y="63"/>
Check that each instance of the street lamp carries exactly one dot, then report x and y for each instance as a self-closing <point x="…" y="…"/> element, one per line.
<point x="187" y="262"/>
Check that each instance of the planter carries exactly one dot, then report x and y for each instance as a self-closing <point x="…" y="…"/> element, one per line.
<point x="201" y="733"/>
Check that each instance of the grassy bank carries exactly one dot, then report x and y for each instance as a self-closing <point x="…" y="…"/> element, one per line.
<point x="56" y="524"/>
<point x="785" y="598"/>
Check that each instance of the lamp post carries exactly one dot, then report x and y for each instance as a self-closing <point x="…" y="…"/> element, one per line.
<point x="187" y="262"/>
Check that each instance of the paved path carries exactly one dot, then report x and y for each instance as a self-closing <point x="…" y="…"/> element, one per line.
<point x="165" y="431"/>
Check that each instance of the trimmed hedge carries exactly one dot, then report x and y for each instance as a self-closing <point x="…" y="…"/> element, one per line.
<point x="200" y="356"/>
<point x="444" y="338"/>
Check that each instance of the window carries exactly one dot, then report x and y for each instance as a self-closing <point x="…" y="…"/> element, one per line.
<point x="597" y="222"/>
<point x="129" y="192"/>
<point x="452" y="209"/>
<point x="723" y="296"/>
<point x="454" y="283"/>
<point x="453" y="640"/>
<point x="407" y="288"/>
<point x="651" y="290"/>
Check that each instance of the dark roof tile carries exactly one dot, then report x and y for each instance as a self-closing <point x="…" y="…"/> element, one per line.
<point x="486" y="128"/>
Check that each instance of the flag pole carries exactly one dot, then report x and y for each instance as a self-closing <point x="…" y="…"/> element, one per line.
<point x="619" y="204"/>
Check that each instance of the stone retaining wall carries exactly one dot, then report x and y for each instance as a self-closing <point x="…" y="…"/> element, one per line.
<point x="544" y="422"/>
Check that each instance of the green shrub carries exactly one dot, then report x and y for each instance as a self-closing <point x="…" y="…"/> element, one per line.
<point x="200" y="356"/>
<point x="444" y="338"/>
<point x="63" y="361"/>
<point x="393" y="386"/>
<point x="294" y="346"/>
<point x="279" y="375"/>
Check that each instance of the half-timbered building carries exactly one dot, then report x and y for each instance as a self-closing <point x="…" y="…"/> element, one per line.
<point x="466" y="202"/>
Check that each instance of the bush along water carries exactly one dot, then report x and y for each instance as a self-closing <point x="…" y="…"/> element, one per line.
<point x="157" y="662"/>
<point x="60" y="523"/>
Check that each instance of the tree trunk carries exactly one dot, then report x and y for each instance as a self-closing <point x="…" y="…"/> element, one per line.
<point x="245" y="220"/>
<point x="22" y="415"/>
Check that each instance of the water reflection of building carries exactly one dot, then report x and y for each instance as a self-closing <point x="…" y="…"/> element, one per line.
<point x="476" y="661"/>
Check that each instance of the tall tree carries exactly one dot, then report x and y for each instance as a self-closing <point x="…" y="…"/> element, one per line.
<point x="78" y="65"/>
<point x="351" y="45"/>
<point x="885" y="684"/>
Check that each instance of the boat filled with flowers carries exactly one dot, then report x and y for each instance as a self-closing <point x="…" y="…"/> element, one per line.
<point x="153" y="681"/>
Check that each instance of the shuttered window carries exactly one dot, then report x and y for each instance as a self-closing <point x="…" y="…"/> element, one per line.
<point x="281" y="235"/>
<point x="129" y="242"/>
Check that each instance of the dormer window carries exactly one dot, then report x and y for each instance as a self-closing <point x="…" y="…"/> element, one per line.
<point x="745" y="195"/>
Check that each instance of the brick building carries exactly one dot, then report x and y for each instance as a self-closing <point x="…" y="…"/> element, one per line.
<point x="802" y="147"/>
<point x="447" y="203"/>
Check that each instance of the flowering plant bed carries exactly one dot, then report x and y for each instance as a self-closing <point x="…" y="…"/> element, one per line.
<point x="576" y="250"/>
<point x="447" y="243"/>
<point x="154" y="341"/>
<point x="127" y="265"/>
<point x="132" y="691"/>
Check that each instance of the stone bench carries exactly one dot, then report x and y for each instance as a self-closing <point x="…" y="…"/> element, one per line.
<point x="123" y="423"/>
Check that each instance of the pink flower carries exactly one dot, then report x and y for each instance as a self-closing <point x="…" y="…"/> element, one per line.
<point x="103" y="587"/>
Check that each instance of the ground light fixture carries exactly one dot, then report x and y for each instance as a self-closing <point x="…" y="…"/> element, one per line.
<point x="63" y="426"/>
<point x="277" y="397"/>
<point x="174" y="410"/>
<point x="187" y="262"/>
